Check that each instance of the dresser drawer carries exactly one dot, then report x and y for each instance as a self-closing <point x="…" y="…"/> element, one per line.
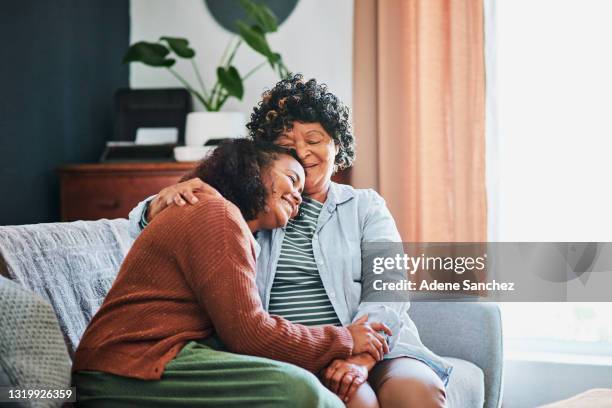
<point x="91" y="193"/>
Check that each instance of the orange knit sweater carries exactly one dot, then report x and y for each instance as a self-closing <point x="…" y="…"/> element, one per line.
<point x="189" y="274"/>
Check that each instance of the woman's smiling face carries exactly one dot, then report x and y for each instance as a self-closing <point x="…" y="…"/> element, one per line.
<point x="317" y="150"/>
<point x="284" y="181"/>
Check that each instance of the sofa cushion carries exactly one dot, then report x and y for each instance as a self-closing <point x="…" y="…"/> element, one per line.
<point x="465" y="388"/>
<point x="32" y="349"/>
<point x="70" y="265"/>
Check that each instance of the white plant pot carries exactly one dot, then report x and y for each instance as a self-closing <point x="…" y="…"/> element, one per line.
<point x="203" y="126"/>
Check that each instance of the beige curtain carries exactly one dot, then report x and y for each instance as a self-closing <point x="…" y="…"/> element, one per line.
<point x="418" y="111"/>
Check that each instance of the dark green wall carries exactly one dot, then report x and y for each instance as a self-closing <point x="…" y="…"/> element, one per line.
<point x="59" y="69"/>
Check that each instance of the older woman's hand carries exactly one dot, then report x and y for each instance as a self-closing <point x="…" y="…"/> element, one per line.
<point x="343" y="378"/>
<point x="178" y="194"/>
<point x="367" y="339"/>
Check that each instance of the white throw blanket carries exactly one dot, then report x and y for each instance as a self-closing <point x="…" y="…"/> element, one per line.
<point x="71" y="265"/>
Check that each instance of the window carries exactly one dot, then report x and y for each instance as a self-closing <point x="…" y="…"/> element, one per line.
<point x="549" y="136"/>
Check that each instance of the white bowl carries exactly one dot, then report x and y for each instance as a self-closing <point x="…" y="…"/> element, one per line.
<point x="191" y="153"/>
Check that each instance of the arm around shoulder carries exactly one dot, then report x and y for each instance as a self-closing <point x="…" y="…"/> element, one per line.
<point x="136" y="217"/>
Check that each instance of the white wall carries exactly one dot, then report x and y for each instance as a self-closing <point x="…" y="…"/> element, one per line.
<point x="553" y="161"/>
<point x="316" y="40"/>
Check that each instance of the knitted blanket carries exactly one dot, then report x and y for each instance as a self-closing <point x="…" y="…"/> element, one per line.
<point x="70" y="265"/>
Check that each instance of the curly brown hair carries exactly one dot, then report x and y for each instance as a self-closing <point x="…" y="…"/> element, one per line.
<point x="236" y="168"/>
<point x="294" y="99"/>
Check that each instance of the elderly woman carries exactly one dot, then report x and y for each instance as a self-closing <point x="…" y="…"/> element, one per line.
<point x="311" y="271"/>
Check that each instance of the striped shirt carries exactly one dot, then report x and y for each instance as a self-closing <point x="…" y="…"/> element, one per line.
<point x="297" y="292"/>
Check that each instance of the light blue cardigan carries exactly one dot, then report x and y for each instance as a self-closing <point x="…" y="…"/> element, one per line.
<point x="349" y="218"/>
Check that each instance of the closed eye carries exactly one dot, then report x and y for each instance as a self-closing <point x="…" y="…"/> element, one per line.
<point x="295" y="181"/>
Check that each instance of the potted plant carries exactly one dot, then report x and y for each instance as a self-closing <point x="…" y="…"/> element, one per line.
<point x="202" y="126"/>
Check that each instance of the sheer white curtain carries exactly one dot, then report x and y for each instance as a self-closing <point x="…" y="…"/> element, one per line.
<point x="549" y="84"/>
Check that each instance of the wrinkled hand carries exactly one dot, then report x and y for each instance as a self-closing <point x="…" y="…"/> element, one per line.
<point x="178" y="194"/>
<point x="366" y="338"/>
<point x="344" y="378"/>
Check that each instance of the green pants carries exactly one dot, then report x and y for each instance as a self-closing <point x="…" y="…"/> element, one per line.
<point x="200" y="376"/>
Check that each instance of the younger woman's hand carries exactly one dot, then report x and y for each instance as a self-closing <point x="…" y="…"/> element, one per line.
<point x="178" y="194"/>
<point x="367" y="339"/>
<point x="344" y="378"/>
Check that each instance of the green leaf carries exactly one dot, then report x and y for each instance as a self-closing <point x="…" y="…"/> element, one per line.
<point x="249" y="7"/>
<point x="262" y="15"/>
<point x="230" y="80"/>
<point x="180" y="46"/>
<point x="274" y="58"/>
<point x="267" y="20"/>
<point x="254" y="38"/>
<point x="152" y="54"/>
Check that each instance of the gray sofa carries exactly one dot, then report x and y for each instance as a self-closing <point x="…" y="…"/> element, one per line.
<point x="72" y="266"/>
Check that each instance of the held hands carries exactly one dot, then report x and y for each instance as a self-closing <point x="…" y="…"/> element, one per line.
<point x="343" y="378"/>
<point x="366" y="338"/>
<point x="178" y="194"/>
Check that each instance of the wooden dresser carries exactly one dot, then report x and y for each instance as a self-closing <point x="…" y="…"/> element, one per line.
<point x="94" y="191"/>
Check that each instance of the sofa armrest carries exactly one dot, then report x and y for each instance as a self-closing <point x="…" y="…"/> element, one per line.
<point x="471" y="331"/>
